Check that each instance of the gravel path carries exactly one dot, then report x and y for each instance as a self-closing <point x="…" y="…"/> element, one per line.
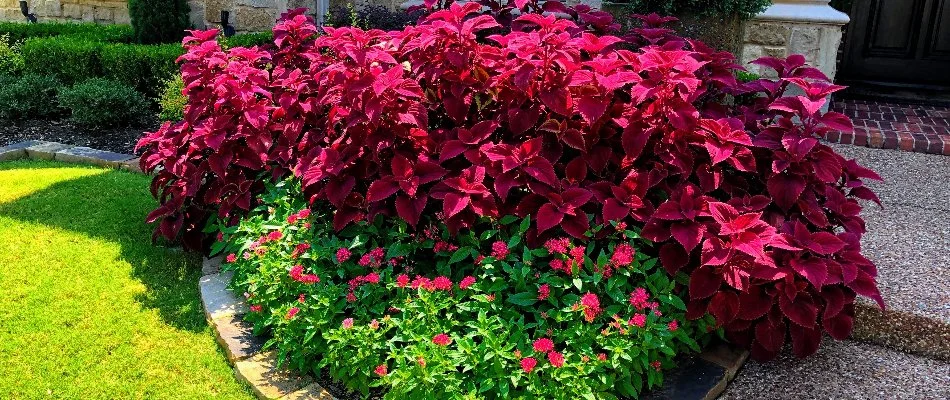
<point x="844" y="370"/>
<point x="909" y="238"/>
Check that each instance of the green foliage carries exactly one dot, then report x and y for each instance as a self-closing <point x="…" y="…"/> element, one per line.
<point x="19" y="32"/>
<point x="159" y="21"/>
<point x="247" y="40"/>
<point x="71" y="59"/>
<point x="103" y="103"/>
<point x="372" y="302"/>
<point x="29" y="97"/>
<point x="11" y="61"/>
<point x="744" y="8"/>
<point x="746" y="76"/>
<point x="74" y="59"/>
<point x="143" y="67"/>
<point x="173" y="101"/>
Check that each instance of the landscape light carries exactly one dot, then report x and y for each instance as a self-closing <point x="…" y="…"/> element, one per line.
<point x="25" y="9"/>
<point x="225" y="27"/>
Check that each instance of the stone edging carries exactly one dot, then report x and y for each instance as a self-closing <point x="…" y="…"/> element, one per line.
<point x="42" y="150"/>
<point x="704" y="377"/>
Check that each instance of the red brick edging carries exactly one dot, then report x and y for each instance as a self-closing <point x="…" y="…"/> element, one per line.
<point x="882" y="125"/>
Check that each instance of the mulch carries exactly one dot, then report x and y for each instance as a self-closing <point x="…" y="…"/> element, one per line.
<point x="119" y="140"/>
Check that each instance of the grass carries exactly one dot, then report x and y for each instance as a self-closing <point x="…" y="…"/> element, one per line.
<point x="89" y="307"/>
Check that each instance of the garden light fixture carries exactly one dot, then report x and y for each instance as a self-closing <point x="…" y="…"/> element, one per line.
<point x="25" y="9"/>
<point x="225" y="27"/>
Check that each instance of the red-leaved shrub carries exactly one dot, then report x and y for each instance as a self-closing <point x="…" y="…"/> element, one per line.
<point x="462" y="117"/>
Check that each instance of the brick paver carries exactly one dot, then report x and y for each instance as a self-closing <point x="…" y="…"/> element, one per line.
<point x="884" y="125"/>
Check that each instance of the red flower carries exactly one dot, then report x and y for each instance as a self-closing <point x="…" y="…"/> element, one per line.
<point x="292" y="312"/>
<point x="343" y="254"/>
<point x="544" y="291"/>
<point x="350" y="297"/>
<point x="365" y="260"/>
<point x="467" y="282"/>
<point x="371" y="277"/>
<point x="381" y="370"/>
<point x="591" y="306"/>
<point x="302" y="298"/>
<point x="300" y="249"/>
<point x="442" y="283"/>
<point x="441" y="339"/>
<point x="402" y="280"/>
<point x="638" y="320"/>
<point x="602" y="356"/>
<point x="556" y="359"/>
<point x="543" y="345"/>
<point x="656" y="365"/>
<point x="528" y="364"/>
<point x="422" y="282"/>
<point x="257" y="308"/>
<point x="292" y="219"/>
<point x="623" y="255"/>
<point x="499" y="250"/>
<point x="296" y="271"/>
<point x="303" y="214"/>
<point x="557" y="246"/>
<point x="673" y="326"/>
<point x="442" y="246"/>
<point x="348" y="323"/>
<point x="231" y="258"/>
<point x="275" y="235"/>
<point x="639" y="298"/>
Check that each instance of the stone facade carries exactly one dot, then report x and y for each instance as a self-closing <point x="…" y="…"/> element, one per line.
<point x="98" y="11"/>
<point x="808" y="27"/>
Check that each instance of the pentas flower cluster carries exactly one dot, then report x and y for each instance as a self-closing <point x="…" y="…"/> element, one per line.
<point x="474" y="113"/>
<point x="296" y="273"/>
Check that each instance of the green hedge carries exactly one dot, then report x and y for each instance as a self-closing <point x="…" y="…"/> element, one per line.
<point x="103" y="103"/>
<point x="74" y="59"/>
<point x="19" y="32"/>
<point x="159" y="21"/>
<point x="247" y="40"/>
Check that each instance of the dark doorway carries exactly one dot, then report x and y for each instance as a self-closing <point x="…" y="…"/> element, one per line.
<point x="898" y="43"/>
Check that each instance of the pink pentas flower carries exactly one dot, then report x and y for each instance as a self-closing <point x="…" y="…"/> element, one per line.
<point x="467" y="282"/>
<point x="422" y="282"/>
<point x="556" y="359"/>
<point x="639" y="298"/>
<point x="638" y="320"/>
<point x="544" y="291"/>
<point x="557" y="246"/>
<point x="348" y="323"/>
<point x="441" y="339"/>
<point x="292" y="219"/>
<point x="444" y="247"/>
<point x="657" y="365"/>
<point x="381" y="370"/>
<point x="343" y="254"/>
<point x="402" y="280"/>
<point x="275" y="235"/>
<point x="371" y="277"/>
<point x="602" y="356"/>
<point x="591" y="306"/>
<point x="231" y="258"/>
<point x="442" y="283"/>
<point x="528" y="364"/>
<point x="257" y="308"/>
<point x="365" y="260"/>
<point x="374" y="324"/>
<point x="296" y="271"/>
<point x="303" y="214"/>
<point x="220" y="237"/>
<point x="302" y="298"/>
<point x="421" y="361"/>
<point x="499" y="250"/>
<point x="292" y="312"/>
<point x="300" y="249"/>
<point x="673" y="326"/>
<point x="543" y="345"/>
<point x="623" y="255"/>
<point x="350" y="297"/>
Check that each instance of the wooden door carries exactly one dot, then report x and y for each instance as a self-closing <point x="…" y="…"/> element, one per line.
<point x="902" y="42"/>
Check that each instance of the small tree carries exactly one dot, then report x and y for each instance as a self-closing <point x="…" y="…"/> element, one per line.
<point x="159" y="21"/>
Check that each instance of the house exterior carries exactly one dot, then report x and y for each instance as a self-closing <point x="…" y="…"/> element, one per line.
<point x="900" y="42"/>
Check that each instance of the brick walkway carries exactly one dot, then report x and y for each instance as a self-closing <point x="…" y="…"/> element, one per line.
<point x="883" y="125"/>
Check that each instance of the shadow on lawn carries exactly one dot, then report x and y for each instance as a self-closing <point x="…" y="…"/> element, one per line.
<point x="112" y="206"/>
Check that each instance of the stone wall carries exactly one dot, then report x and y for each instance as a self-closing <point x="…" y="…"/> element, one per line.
<point x="98" y="11"/>
<point x="808" y="27"/>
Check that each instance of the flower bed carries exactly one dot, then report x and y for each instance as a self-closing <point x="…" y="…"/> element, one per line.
<point x="473" y="120"/>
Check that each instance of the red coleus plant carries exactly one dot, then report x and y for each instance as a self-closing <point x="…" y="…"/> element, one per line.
<point x="476" y="112"/>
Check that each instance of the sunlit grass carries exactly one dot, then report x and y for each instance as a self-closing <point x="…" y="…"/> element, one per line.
<point x="89" y="307"/>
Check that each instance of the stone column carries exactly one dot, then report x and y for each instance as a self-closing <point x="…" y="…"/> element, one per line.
<point x="808" y="27"/>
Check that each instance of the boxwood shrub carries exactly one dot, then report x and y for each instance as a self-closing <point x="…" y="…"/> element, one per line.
<point x="19" y="32"/>
<point x="103" y="103"/>
<point x="143" y="67"/>
<point x="29" y="97"/>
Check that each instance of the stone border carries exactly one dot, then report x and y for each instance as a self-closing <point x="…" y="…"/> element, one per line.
<point x="43" y="150"/>
<point x="703" y="377"/>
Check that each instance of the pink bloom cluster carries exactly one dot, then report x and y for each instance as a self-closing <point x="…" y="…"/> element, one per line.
<point x="499" y="250"/>
<point x="444" y="247"/>
<point x="374" y="258"/>
<point x="296" y="273"/>
<point x="441" y="339"/>
<point x="343" y="254"/>
<point x="299" y="216"/>
<point x="591" y="305"/>
<point x="370" y="278"/>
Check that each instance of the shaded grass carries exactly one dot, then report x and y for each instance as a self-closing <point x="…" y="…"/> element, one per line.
<point x="89" y="307"/>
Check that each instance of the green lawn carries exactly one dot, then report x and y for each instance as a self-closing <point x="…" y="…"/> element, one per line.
<point x="89" y="308"/>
